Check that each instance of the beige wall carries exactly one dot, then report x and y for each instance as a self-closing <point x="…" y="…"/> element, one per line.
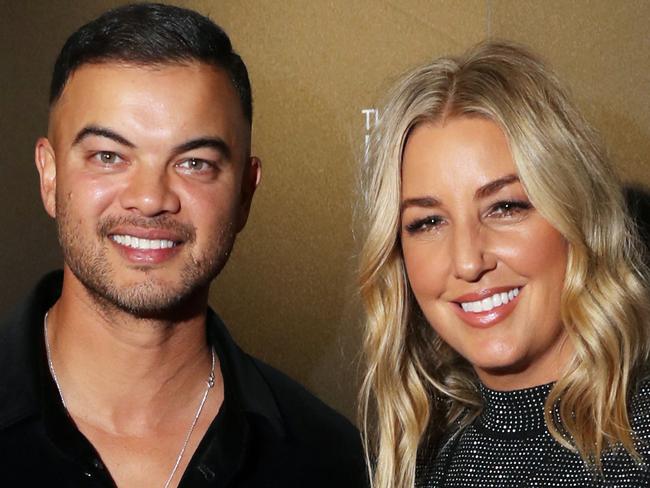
<point x="288" y="292"/>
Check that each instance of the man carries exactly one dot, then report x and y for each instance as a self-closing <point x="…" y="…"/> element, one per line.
<point x="115" y="372"/>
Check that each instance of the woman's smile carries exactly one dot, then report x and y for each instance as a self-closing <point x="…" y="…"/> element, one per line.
<point x="497" y="304"/>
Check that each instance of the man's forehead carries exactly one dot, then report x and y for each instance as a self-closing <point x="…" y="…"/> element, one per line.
<point x="95" y="74"/>
<point x="166" y="95"/>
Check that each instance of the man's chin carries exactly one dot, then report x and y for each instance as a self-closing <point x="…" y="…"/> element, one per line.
<point x="163" y="294"/>
<point x="150" y="300"/>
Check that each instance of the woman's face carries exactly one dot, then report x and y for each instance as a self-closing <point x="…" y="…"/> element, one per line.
<point x="485" y="267"/>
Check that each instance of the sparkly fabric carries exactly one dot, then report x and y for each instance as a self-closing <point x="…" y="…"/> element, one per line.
<point x="508" y="445"/>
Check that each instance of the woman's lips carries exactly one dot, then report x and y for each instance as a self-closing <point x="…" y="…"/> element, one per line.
<point x="488" y="307"/>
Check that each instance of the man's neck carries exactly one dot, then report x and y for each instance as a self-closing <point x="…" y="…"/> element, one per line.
<point x="122" y="373"/>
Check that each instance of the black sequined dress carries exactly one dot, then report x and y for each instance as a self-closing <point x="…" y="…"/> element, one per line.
<point x="508" y="445"/>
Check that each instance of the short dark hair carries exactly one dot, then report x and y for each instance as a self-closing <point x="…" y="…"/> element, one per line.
<point x="151" y="34"/>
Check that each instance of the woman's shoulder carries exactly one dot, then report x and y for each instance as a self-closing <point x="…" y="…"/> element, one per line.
<point x="640" y="401"/>
<point x="640" y="411"/>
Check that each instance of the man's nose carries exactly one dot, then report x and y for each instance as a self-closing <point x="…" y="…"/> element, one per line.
<point x="471" y="256"/>
<point x="149" y="192"/>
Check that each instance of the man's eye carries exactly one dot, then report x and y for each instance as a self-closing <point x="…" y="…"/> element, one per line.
<point x="424" y="225"/>
<point x="108" y="158"/>
<point x="509" y="208"/>
<point x="194" y="164"/>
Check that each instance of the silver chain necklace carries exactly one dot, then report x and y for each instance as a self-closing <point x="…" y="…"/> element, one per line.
<point x="209" y="386"/>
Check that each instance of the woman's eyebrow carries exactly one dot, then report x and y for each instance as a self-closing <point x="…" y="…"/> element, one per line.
<point x="484" y="191"/>
<point x="426" y="202"/>
<point x="494" y="186"/>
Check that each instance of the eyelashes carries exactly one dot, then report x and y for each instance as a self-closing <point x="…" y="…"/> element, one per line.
<point x="197" y="165"/>
<point x="508" y="210"/>
<point x="423" y="225"/>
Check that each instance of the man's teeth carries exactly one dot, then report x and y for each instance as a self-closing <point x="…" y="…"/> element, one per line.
<point x="141" y="243"/>
<point x="489" y="303"/>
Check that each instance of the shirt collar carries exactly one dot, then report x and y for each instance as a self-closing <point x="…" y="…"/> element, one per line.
<point x="243" y="381"/>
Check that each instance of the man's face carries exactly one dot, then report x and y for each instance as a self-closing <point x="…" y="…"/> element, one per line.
<point x="147" y="173"/>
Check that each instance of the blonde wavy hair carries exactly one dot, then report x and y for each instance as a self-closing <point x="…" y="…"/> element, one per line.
<point x="415" y="385"/>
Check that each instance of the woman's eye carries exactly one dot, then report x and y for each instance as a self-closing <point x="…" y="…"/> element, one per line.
<point x="108" y="158"/>
<point x="509" y="208"/>
<point x="424" y="225"/>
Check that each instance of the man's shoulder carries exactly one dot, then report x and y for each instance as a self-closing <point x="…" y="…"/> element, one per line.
<point x="21" y="340"/>
<point x="301" y="409"/>
<point x="322" y="445"/>
<point x="35" y="303"/>
<point x="266" y="390"/>
<point x="298" y="438"/>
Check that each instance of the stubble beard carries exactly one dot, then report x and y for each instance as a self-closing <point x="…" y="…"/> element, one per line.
<point x="149" y="297"/>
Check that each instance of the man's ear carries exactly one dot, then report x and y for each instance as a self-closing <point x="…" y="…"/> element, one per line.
<point x="46" y="166"/>
<point x="250" y="181"/>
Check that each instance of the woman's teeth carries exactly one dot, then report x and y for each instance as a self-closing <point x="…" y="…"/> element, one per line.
<point x="489" y="303"/>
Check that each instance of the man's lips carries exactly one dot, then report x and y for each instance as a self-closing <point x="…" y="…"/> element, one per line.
<point x="146" y="246"/>
<point x="155" y="228"/>
<point x="142" y="243"/>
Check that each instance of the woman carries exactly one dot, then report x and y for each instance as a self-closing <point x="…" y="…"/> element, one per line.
<point x="506" y="332"/>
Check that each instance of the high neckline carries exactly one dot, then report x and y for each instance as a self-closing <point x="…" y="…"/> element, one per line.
<point x="513" y="412"/>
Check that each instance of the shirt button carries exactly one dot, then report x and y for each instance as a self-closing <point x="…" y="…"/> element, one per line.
<point x="98" y="464"/>
<point x="88" y="474"/>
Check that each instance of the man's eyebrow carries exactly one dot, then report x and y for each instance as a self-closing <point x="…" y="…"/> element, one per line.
<point x="94" y="130"/>
<point x="426" y="202"/>
<point x="210" y="142"/>
<point x="494" y="186"/>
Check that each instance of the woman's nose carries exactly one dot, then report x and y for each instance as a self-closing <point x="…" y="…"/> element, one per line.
<point x="471" y="256"/>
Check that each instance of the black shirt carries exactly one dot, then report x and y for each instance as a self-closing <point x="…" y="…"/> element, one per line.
<point x="269" y="432"/>
<point x="508" y="445"/>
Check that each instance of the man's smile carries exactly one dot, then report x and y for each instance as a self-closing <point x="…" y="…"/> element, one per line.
<point x="149" y="245"/>
<point x="142" y="243"/>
